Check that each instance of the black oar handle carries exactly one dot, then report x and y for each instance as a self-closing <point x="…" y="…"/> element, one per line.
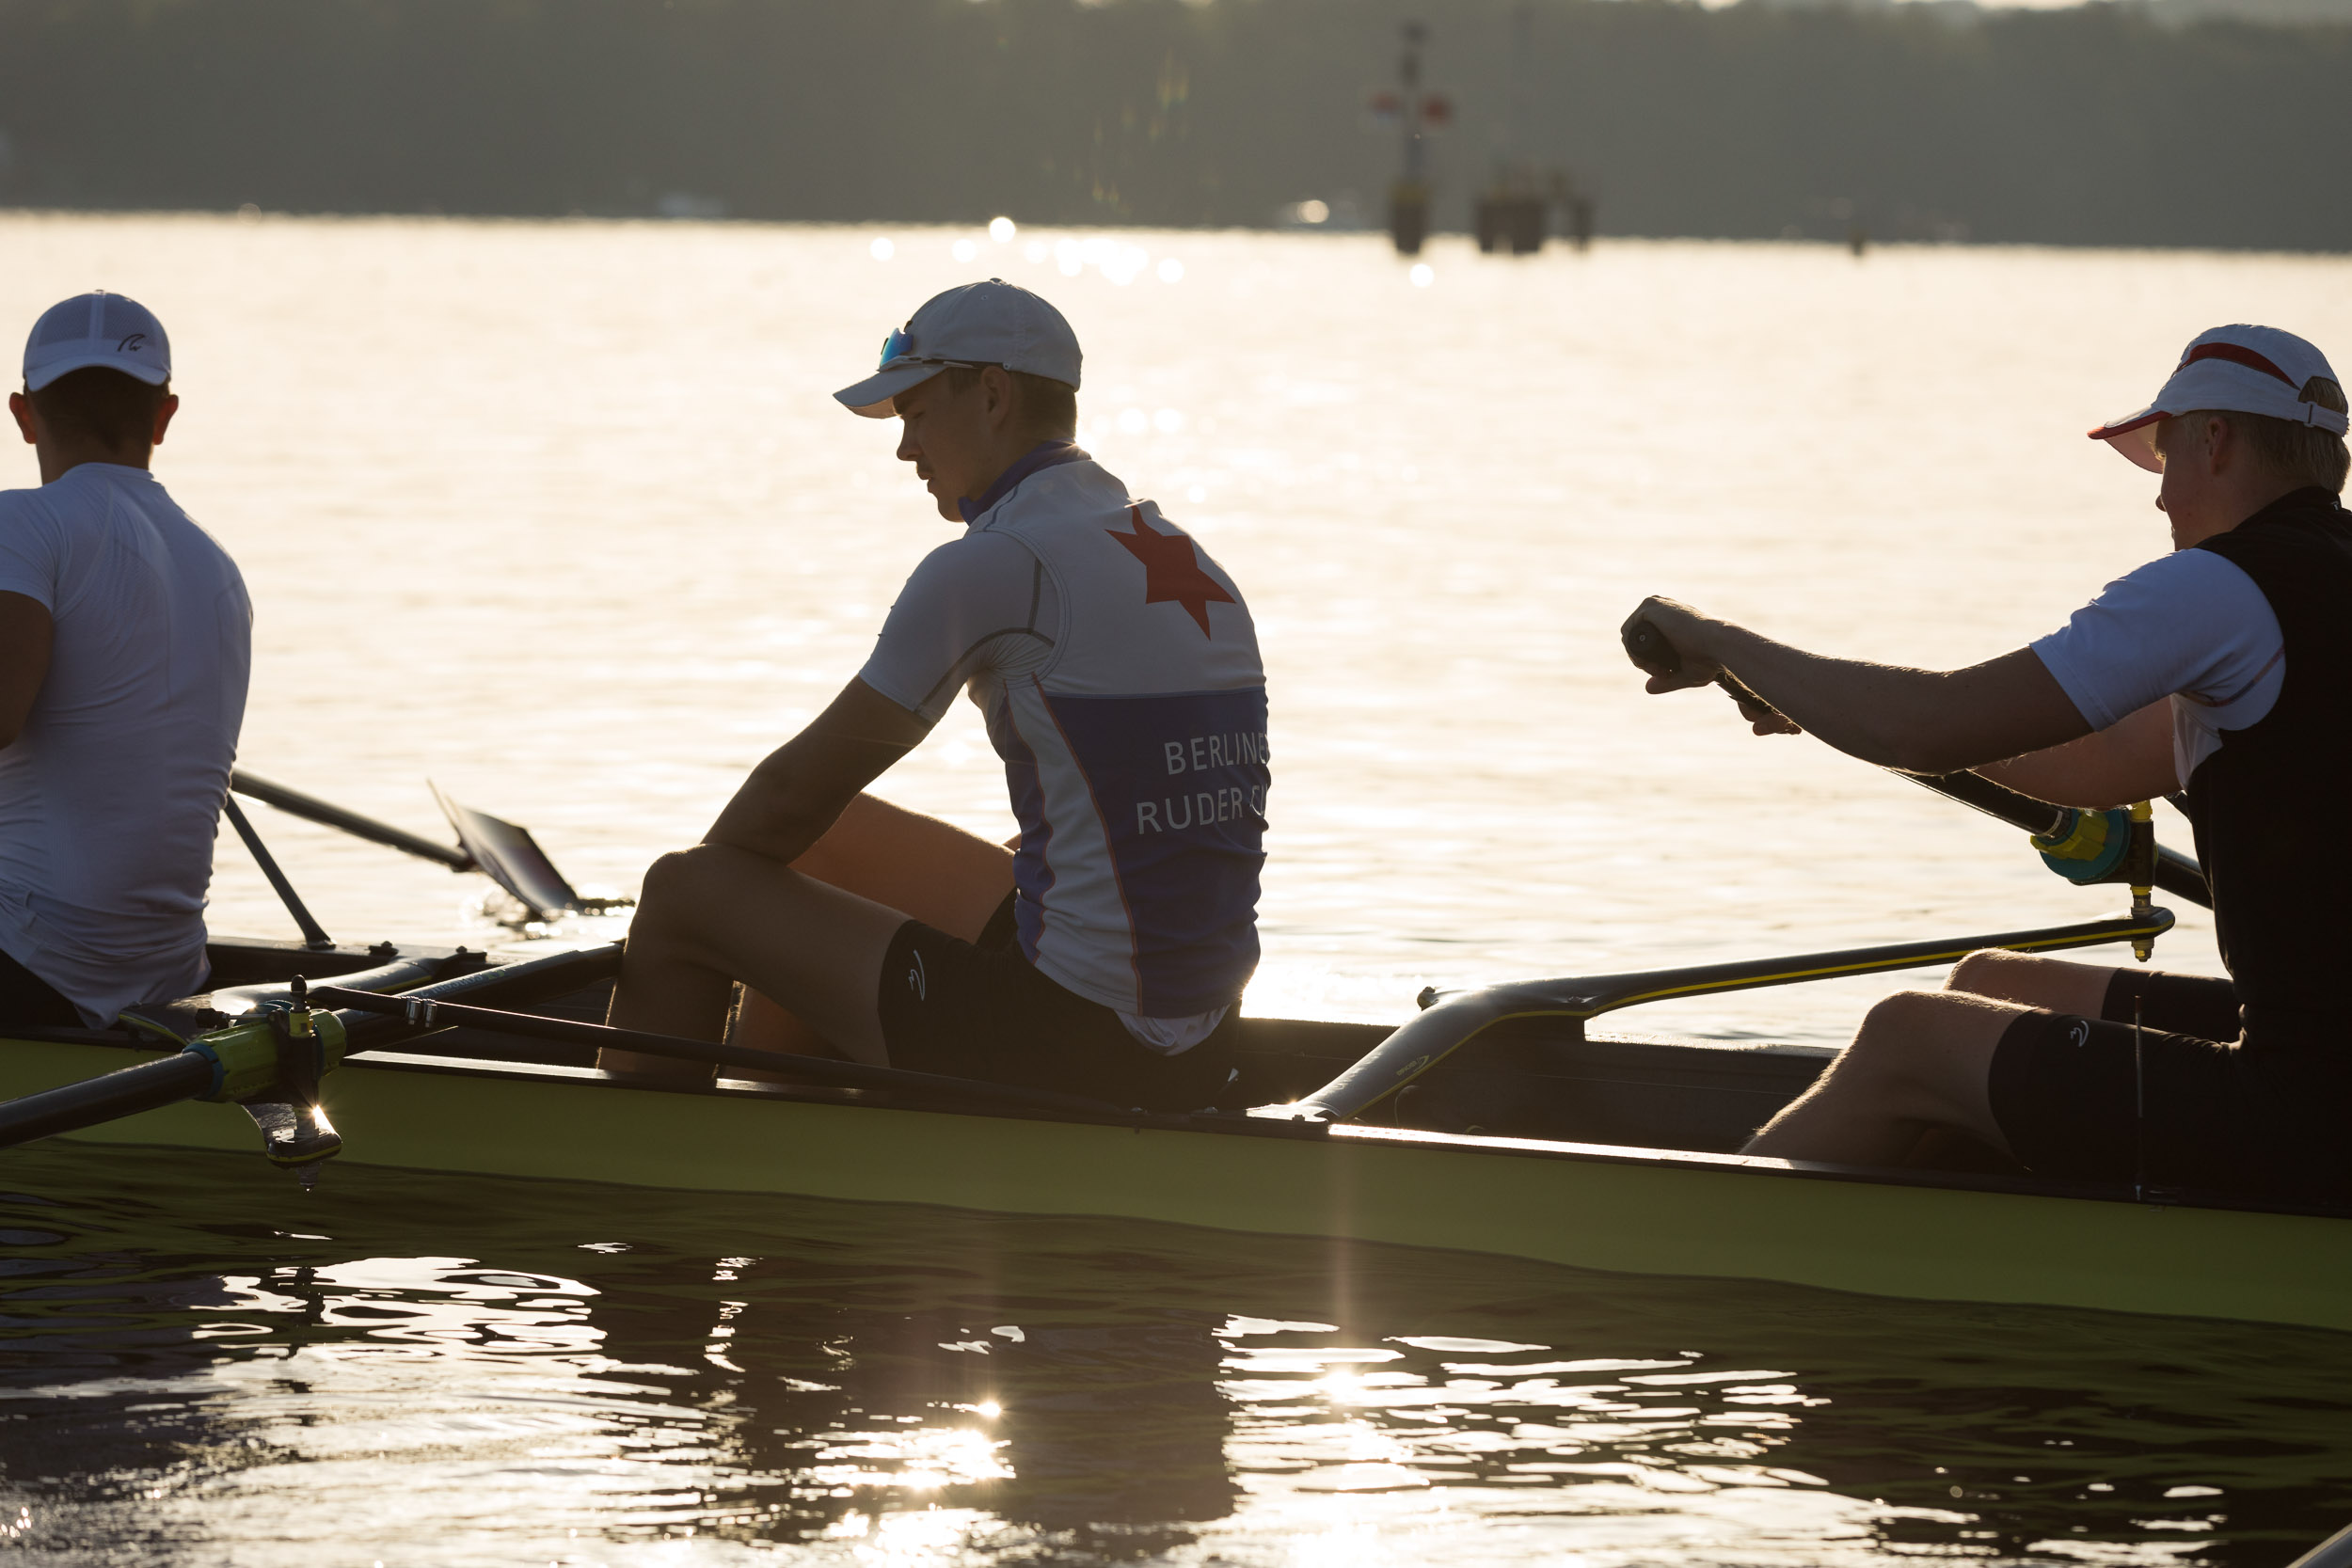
<point x="122" y="1093"/>
<point x="1648" y="648"/>
<point x="425" y="1012"/>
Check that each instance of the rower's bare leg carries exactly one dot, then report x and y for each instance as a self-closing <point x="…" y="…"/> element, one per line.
<point x="2052" y="984"/>
<point x="930" y="870"/>
<point x="713" y="914"/>
<point x="1922" y="1062"/>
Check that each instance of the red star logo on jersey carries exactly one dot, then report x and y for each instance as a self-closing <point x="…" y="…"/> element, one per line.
<point x="1171" y="572"/>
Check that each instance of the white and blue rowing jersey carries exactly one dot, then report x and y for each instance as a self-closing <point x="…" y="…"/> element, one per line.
<point x="1118" y="669"/>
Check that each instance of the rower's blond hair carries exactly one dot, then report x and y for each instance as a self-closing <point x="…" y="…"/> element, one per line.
<point x="2303" y="455"/>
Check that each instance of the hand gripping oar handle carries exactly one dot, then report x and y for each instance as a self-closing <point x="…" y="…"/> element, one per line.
<point x="1648" y="648"/>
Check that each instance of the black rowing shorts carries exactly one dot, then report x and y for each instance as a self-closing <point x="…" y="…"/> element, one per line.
<point x="30" y="1001"/>
<point x="980" y="1009"/>
<point x="2205" y="1111"/>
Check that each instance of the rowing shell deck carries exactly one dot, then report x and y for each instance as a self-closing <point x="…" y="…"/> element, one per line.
<point x="1603" y="1203"/>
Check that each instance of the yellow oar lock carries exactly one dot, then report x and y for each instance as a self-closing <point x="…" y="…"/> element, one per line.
<point x="270" y="1063"/>
<point x="249" y="1058"/>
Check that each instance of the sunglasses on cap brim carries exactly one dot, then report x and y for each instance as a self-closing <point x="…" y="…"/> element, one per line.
<point x="900" y="345"/>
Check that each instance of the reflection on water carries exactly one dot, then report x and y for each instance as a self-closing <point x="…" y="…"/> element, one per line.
<point x="424" y="1371"/>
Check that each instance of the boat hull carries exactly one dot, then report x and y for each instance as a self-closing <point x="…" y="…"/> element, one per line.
<point x="1590" y="1206"/>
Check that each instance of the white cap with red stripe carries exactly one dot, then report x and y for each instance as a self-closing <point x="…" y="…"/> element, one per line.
<point x="2248" y="369"/>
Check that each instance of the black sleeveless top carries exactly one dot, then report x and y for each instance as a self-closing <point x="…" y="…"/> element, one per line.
<point x="2267" y="805"/>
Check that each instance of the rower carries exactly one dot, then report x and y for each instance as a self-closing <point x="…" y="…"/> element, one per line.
<point x="2221" y="668"/>
<point x="126" y="642"/>
<point x="1103" y="953"/>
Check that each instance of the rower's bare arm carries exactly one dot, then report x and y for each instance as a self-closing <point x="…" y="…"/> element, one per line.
<point x="794" y="795"/>
<point x="1918" y="721"/>
<point x="2129" y="760"/>
<point x="26" y="632"/>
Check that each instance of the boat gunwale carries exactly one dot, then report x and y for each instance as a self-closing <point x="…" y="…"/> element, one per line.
<point x="1237" y="1124"/>
<point x="1947" y="1237"/>
<point x="1242" y="1125"/>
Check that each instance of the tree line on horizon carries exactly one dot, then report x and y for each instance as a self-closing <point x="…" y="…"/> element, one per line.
<point x="2091" y="125"/>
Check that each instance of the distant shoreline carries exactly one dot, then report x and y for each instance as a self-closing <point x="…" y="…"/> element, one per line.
<point x="1556" y="245"/>
<point x="2098" y="124"/>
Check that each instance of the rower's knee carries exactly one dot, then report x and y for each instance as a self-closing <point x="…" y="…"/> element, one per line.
<point x="1993" y="971"/>
<point x="1887" y="1048"/>
<point x="665" y="879"/>
<point x="1923" y="1055"/>
<point x="677" y="884"/>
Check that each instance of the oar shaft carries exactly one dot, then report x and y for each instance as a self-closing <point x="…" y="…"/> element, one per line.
<point x="2175" y="872"/>
<point x="116" y="1094"/>
<point x="1994" y="800"/>
<point x="1425" y="1040"/>
<point x="327" y="815"/>
<point x="313" y="934"/>
<point x="430" y="1013"/>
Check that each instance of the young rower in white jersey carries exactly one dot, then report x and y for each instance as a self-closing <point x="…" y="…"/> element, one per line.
<point x="126" y="642"/>
<point x="1103" y="953"/>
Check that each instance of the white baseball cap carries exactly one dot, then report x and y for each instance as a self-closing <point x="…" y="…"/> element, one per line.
<point x="97" y="329"/>
<point x="2250" y="370"/>
<point x="994" y="322"/>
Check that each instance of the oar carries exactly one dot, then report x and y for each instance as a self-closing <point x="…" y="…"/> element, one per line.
<point x="2176" y="873"/>
<point x="502" y="850"/>
<point x="1451" y="1022"/>
<point x="311" y="809"/>
<point x="126" y="1093"/>
<point x="313" y="934"/>
<point x="247" y="1060"/>
<point x="263" y="1054"/>
<point x="424" y="1012"/>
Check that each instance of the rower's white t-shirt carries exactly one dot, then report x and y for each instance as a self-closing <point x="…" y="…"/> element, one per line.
<point x="110" y="799"/>
<point x="2190" y="625"/>
<point x="1045" y="614"/>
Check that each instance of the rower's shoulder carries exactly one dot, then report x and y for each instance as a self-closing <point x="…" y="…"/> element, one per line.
<point x="985" y="563"/>
<point x="34" y="508"/>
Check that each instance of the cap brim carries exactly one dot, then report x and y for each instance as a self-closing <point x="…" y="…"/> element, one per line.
<point x="2135" y="437"/>
<point x="876" y="397"/>
<point x="101" y="358"/>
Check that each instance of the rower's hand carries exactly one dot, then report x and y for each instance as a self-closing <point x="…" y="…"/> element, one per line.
<point x="1681" y="662"/>
<point x="1673" y="661"/>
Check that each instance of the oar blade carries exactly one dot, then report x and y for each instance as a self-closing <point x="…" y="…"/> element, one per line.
<point x="507" y="854"/>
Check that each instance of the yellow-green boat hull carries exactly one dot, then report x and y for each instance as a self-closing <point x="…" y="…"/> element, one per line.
<point x="1590" y="1206"/>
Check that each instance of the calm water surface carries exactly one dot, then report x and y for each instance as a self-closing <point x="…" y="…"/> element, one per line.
<point x="562" y="517"/>
<point x="421" y="1371"/>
